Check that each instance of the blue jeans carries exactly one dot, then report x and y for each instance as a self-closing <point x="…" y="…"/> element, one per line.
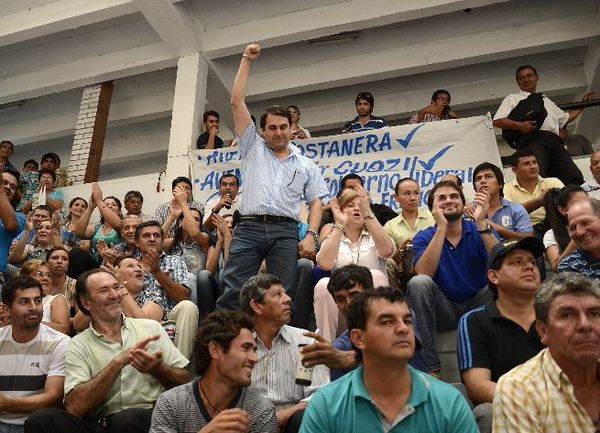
<point x="436" y="312"/>
<point x="252" y="242"/>
<point x="10" y="428"/>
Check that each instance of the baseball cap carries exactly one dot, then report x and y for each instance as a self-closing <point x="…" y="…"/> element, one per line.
<point x="529" y="243"/>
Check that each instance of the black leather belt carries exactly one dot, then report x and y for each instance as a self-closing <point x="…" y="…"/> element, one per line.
<point x="268" y="219"/>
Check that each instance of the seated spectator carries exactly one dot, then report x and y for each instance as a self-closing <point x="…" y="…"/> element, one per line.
<point x="77" y="207"/>
<point x="227" y="202"/>
<point x="385" y="393"/>
<point x="29" y="180"/>
<point x="210" y="138"/>
<point x="7" y="148"/>
<point x="30" y="165"/>
<point x="403" y="228"/>
<point x="219" y="400"/>
<point x="128" y="247"/>
<point x="560" y="386"/>
<point x="356" y="237"/>
<point x="46" y="238"/>
<point x="162" y="212"/>
<point x="45" y="194"/>
<point x="11" y="221"/>
<point x="166" y="278"/>
<point x="382" y="212"/>
<point x="193" y="245"/>
<point x="557" y="241"/>
<point x="220" y="253"/>
<point x="584" y="227"/>
<point x="136" y="302"/>
<point x="576" y="144"/>
<point x="529" y="188"/>
<point x="500" y="335"/>
<point x="592" y="187"/>
<point x="438" y="109"/>
<point x="41" y="213"/>
<point x="264" y="298"/>
<point x="55" y="307"/>
<point x="340" y="356"/>
<point x="510" y="220"/>
<point x="108" y="231"/>
<point x="365" y="121"/>
<point x="451" y="260"/>
<point x="297" y="132"/>
<point x="60" y="283"/>
<point x="32" y="356"/>
<point x="116" y="368"/>
<point x="133" y="202"/>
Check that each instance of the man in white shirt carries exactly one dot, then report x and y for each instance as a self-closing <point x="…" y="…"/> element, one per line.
<point x="592" y="187"/>
<point x="277" y="346"/>
<point x="543" y="140"/>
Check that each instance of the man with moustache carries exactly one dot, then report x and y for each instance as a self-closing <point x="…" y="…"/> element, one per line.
<point x="451" y="263"/>
<point x="32" y="356"/>
<point x="224" y="355"/>
<point x="500" y="335"/>
<point x="277" y="344"/>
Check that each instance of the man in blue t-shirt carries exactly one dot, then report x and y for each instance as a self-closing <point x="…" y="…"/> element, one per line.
<point x="11" y="222"/>
<point x="451" y="262"/>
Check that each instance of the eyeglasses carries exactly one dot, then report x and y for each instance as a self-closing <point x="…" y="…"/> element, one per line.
<point x="11" y="186"/>
<point x="41" y="274"/>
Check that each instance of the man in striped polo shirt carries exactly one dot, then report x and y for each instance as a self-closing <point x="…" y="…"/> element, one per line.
<point x="32" y="356"/>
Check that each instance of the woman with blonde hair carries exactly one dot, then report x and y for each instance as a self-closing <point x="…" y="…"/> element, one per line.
<point x="55" y="307"/>
<point x="357" y="238"/>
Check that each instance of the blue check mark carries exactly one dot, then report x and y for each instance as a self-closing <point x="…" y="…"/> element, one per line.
<point x="406" y="141"/>
<point x="428" y="165"/>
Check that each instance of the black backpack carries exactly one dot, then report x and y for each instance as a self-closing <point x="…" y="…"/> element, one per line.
<point x="530" y="108"/>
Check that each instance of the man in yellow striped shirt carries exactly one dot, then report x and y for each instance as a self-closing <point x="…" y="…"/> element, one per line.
<point x="559" y="389"/>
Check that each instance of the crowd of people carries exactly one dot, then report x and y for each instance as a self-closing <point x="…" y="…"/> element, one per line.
<point x="240" y="316"/>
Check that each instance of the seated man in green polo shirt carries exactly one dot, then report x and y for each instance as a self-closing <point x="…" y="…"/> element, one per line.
<point x="386" y="394"/>
<point x="115" y="369"/>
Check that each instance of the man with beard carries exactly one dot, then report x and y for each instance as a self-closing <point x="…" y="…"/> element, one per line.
<point x="32" y="356"/>
<point x="451" y="262"/>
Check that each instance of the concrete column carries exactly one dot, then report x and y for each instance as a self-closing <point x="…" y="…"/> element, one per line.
<point x="188" y="106"/>
<point x="90" y="132"/>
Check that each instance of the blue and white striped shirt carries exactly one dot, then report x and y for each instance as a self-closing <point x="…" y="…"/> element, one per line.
<point x="273" y="186"/>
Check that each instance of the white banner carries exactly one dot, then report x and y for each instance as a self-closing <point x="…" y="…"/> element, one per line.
<point x="424" y="152"/>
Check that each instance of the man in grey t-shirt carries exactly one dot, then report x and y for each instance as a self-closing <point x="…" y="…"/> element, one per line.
<point x="225" y="354"/>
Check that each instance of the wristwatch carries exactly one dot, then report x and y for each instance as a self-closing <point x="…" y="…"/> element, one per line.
<point x="487" y="229"/>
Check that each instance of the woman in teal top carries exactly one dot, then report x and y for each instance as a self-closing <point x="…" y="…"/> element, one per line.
<point x="109" y="229"/>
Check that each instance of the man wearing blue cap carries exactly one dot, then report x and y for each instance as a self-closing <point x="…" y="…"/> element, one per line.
<point x="501" y="334"/>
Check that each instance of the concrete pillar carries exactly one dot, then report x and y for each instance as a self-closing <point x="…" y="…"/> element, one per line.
<point x="90" y="132"/>
<point x="188" y="106"/>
